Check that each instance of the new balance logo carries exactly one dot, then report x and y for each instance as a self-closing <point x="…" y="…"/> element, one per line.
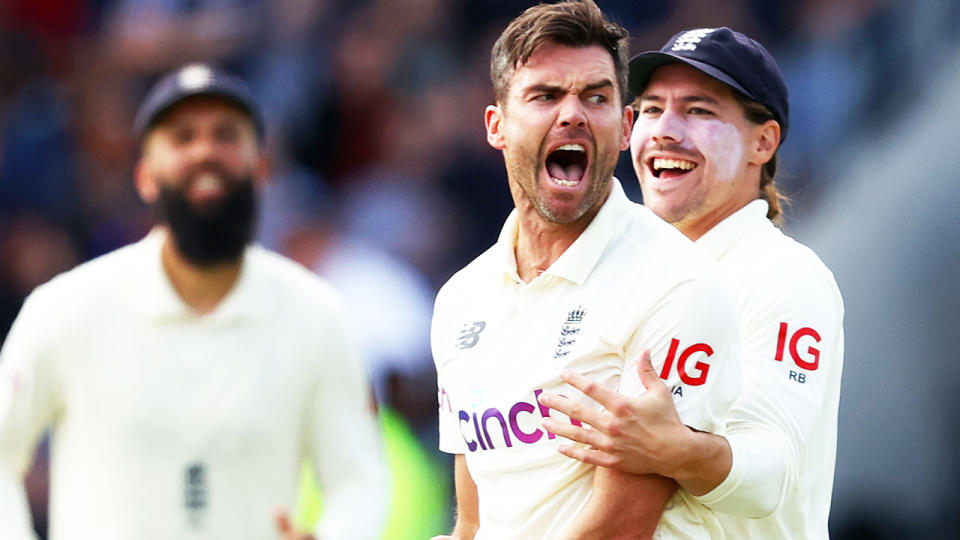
<point x="470" y="334"/>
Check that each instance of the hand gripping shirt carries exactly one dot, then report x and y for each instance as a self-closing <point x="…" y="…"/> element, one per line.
<point x="630" y="282"/>
<point x="783" y="428"/>
<point x="168" y="424"/>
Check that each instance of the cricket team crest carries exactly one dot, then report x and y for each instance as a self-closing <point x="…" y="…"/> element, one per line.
<point x="569" y="332"/>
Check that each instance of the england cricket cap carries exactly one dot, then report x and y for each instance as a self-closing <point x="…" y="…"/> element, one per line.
<point x="195" y="80"/>
<point x="726" y="55"/>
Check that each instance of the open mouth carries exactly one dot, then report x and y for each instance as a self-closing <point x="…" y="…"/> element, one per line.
<point x="669" y="168"/>
<point x="567" y="165"/>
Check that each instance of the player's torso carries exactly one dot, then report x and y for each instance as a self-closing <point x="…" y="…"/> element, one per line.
<point x="185" y="422"/>
<point x="502" y="346"/>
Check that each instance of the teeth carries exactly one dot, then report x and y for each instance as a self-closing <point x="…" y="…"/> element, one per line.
<point x="662" y="163"/>
<point x="207" y="182"/>
<point x="573" y="147"/>
<point x="564" y="183"/>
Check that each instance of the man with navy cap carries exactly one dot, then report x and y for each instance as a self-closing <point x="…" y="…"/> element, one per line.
<point x="712" y="111"/>
<point x="185" y="378"/>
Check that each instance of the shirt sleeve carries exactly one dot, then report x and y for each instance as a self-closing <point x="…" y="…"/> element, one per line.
<point x="792" y="342"/>
<point x="30" y="398"/>
<point x="691" y="335"/>
<point x="345" y="442"/>
<point x="451" y="441"/>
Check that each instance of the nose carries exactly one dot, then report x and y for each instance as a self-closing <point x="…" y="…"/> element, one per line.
<point x="572" y="113"/>
<point x="202" y="147"/>
<point x="667" y="128"/>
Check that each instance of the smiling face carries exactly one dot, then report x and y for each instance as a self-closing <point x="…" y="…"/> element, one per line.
<point x="200" y="164"/>
<point x="561" y="129"/>
<point x="696" y="155"/>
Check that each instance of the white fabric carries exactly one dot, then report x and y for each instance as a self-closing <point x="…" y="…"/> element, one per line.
<point x="630" y="282"/>
<point x="167" y="424"/>
<point x="783" y="427"/>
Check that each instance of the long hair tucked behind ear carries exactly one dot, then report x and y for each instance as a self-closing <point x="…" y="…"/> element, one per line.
<point x="758" y="114"/>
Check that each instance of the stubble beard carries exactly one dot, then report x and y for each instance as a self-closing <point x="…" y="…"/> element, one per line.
<point x="599" y="177"/>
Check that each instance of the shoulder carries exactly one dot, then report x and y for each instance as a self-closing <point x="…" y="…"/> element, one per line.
<point x="652" y="249"/>
<point x="776" y="263"/>
<point x="101" y="279"/>
<point x="472" y="278"/>
<point x="289" y="283"/>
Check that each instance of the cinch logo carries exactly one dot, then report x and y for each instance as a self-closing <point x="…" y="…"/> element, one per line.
<point x="476" y="433"/>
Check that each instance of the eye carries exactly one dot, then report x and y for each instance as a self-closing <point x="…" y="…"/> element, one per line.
<point x="227" y="133"/>
<point x="597" y="99"/>
<point x="182" y="134"/>
<point x="651" y="109"/>
<point x="544" y="97"/>
<point x="700" y="111"/>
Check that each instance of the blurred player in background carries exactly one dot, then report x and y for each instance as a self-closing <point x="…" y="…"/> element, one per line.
<point x="580" y="278"/>
<point x="187" y="376"/>
<point x="712" y="111"/>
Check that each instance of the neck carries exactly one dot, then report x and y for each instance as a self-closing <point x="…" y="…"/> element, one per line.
<point x="540" y="243"/>
<point x="201" y="288"/>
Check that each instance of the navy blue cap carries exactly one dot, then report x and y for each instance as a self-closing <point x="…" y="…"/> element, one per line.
<point x="726" y="55"/>
<point x="195" y="80"/>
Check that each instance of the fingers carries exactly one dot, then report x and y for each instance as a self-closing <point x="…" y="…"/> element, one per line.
<point x="648" y="376"/>
<point x="589" y="456"/>
<point x="597" y="392"/>
<point x="570" y="408"/>
<point x="282" y="521"/>
<point x="572" y="432"/>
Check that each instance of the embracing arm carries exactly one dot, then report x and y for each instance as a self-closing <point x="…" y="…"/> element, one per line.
<point x="622" y="506"/>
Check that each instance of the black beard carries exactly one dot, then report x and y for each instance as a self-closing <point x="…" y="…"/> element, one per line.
<point x="215" y="234"/>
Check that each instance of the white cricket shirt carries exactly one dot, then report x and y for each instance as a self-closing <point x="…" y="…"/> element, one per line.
<point x="783" y="428"/>
<point x="167" y="424"/>
<point x="630" y="282"/>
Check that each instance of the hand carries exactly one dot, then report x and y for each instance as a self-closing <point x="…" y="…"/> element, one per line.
<point x="639" y="435"/>
<point x="285" y="527"/>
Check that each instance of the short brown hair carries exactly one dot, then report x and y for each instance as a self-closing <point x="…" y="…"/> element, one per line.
<point x="571" y="23"/>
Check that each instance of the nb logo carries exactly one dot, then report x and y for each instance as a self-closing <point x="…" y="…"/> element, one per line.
<point x="470" y="334"/>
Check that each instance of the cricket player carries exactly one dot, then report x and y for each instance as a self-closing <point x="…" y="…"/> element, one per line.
<point x="712" y="111"/>
<point x="580" y="278"/>
<point x="185" y="378"/>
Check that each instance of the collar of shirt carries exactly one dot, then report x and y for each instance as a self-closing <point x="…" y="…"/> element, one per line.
<point x="747" y="221"/>
<point x="160" y="301"/>
<point x="576" y="263"/>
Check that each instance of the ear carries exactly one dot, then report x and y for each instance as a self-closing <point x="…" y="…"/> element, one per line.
<point x="264" y="169"/>
<point x="145" y="183"/>
<point x="492" y="117"/>
<point x="766" y="142"/>
<point x="627" y="128"/>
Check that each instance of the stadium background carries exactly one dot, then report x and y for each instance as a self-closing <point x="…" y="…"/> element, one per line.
<point x="385" y="183"/>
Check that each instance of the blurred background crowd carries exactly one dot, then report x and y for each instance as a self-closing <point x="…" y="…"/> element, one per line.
<point x="385" y="185"/>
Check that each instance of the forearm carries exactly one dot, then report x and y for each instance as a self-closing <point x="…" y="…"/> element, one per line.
<point x="701" y="463"/>
<point x="622" y="506"/>
<point x="758" y="476"/>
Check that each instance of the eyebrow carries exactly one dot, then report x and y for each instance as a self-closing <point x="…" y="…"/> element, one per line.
<point x="552" y="88"/>
<point x="685" y="99"/>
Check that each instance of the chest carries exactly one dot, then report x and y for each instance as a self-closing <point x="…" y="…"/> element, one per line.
<point x="186" y="387"/>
